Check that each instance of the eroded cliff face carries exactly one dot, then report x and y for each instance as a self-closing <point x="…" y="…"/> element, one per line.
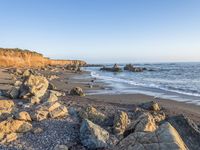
<point x="25" y="58"/>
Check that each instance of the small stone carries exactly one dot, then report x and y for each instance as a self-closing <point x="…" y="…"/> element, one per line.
<point x="77" y="91"/>
<point x="24" y="116"/>
<point x="37" y="130"/>
<point x="35" y="100"/>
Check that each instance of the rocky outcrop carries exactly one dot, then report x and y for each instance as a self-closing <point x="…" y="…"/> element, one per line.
<point x="93" y="136"/>
<point x="164" y="138"/>
<point x="26" y="58"/>
<point x="130" y="67"/>
<point x="115" y="68"/>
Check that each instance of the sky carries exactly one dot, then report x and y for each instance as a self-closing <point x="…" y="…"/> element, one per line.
<point x="104" y="31"/>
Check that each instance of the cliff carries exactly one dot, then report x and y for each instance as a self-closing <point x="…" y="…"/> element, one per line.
<point x="26" y="58"/>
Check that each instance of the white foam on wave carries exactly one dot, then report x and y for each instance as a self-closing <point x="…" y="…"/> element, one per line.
<point x="119" y="80"/>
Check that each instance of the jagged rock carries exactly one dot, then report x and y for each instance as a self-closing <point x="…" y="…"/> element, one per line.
<point x="131" y="68"/>
<point x="77" y="91"/>
<point x="164" y="138"/>
<point x="34" y="86"/>
<point x="92" y="114"/>
<point x="59" y="112"/>
<point x="13" y="92"/>
<point x="37" y="130"/>
<point x="115" y="68"/>
<point x="60" y="147"/>
<point x="158" y="116"/>
<point x="93" y="136"/>
<point x="24" y="116"/>
<point x="151" y="106"/>
<point x="144" y="122"/>
<point x="15" y="126"/>
<point x="120" y="122"/>
<point x="6" y="106"/>
<point x="35" y="100"/>
<point x="188" y="130"/>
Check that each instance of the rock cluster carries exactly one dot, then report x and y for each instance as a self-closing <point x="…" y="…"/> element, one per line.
<point x="115" y="68"/>
<point x="97" y="127"/>
<point x="130" y="67"/>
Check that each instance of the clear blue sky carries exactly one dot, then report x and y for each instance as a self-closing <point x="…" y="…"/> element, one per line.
<point x="104" y="30"/>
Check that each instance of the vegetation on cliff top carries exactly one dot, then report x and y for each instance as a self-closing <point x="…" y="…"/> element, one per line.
<point x="17" y="50"/>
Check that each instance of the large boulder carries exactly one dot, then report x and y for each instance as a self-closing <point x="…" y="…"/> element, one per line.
<point x="93" y="136"/>
<point x="77" y="91"/>
<point x="188" y="130"/>
<point x="120" y="122"/>
<point x="34" y="86"/>
<point x="92" y="114"/>
<point x="144" y="123"/>
<point x="6" y="106"/>
<point x="164" y="138"/>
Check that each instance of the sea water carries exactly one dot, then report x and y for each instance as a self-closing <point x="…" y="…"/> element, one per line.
<point x="178" y="81"/>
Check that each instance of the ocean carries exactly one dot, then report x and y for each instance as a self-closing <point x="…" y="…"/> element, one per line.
<point x="176" y="81"/>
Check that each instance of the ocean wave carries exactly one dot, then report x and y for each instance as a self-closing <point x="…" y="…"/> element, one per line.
<point x="152" y="85"/>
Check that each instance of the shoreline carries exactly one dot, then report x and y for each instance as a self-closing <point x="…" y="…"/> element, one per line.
<point x="68" y="80"/>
